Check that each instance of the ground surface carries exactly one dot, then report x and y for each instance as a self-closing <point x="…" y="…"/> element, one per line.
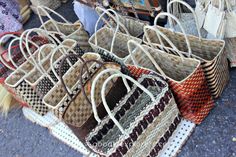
<point x="213" y="138"/>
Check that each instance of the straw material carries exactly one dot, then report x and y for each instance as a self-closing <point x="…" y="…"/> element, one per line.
<point x="186" y="79"/>
<point x="57" y="96"/>
<point x="133" y="25"/>
<point x="146" y="123"/>
<point x="104" y="41"/>
<point x="52" y="4"/>
<point x="210" y="52"/>
<point x="74" y="31"/>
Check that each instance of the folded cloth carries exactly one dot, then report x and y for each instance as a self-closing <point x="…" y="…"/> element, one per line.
<point x="87" y="16"/>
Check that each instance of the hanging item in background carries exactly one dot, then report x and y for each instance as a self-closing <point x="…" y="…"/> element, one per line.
<point x="215" y="22"/>
<point x="189" y="21"/>
<point x="141" y="7"/>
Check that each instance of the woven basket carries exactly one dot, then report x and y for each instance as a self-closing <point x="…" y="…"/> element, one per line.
<point x="69" y="30"/>
<point x="52" y="4"/>
<point x="185" y="77"/>
<point x="210" y="52"/>
<point x="108" y="40"/>
<point x="144" y="124"/>
<point x="44" y="82"/>
<point x="57" y="98"/>
<point x="133" y="25"/>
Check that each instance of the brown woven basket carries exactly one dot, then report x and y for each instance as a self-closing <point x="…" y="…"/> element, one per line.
<point x="210" y="52"/>
<point x="185" y="77"/>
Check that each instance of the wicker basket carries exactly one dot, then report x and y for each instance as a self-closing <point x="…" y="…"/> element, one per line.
<point x="210" y="52"/>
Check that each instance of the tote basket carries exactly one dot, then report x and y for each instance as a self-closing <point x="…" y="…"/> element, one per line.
<point x="70" y="30"/>
<point x="140" y="124"/>
<point x="16" y="81"/>
<point x="133" y="25"/>
<point x="210" y="52"/>
<point x="108" y="40"/>
<point x="185" y="77"/>
<point x="44" y="82"/>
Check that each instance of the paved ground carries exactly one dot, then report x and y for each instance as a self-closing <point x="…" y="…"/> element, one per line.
<point x="213" y="138"/>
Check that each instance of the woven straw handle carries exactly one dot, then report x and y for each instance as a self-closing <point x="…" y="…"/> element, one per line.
<point x="46" y="10"/>
<point x="159" y="33"/>
<point x="24" y="55"/>
<point x="118" y="23"/>
<point x="62" y="47"/>
<point x="61" y="74"/>
<point x="27" y="33"/>
<point x="2" y="37"/>
<point x="132" y="42"/>
<point x="180" y="25"/>
<point x="104" y="99"/>
<point x="190" y="8"/>
<point x="107" y="70"/>
<point x="61" y="50"/>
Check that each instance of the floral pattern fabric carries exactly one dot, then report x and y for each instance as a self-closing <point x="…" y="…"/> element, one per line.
<point x="10" y="19"/>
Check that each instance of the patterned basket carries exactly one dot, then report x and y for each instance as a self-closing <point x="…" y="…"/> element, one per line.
<point x="210" y="52"/>
<point x="44" y="82"/>
<point x="111" y="41"/>
<point x="57" y="98"/>
<point x="137" y="126"/>
<point x="185" y="77"/>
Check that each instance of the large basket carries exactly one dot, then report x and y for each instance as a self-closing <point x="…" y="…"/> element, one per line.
<point x="210" y="52"/>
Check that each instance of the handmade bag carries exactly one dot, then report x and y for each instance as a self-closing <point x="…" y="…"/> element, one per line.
<point x="189" y="21"/>
<point x="107" y="40"/>
<point x="185" y="77"/>
<point x="140" y="124"/>
<point x="57" y="98"/>
<point x="44" y="82"/>
<point x="215" y="20"/>
<point x="16" y="81"/>
<point x="210" y="52"/>
<point x="76" y="110"/>
<point x="133" y="25"/>
<point x="74" y="31"/>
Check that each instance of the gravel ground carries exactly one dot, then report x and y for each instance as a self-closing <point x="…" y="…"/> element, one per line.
<point x="213" y="138"/>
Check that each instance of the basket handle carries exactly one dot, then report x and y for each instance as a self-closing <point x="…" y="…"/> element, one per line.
<point x="181" y="27"/>
<point x="11" y="59"/>
<point x="92" y="102"/>
<point x="46" y="10"/>
<point x="59" y="48"/>
<point x="190" y="8"/>
<point x="116" y="18"/>
<point x="2" y="37"/>
<point x="104" y="98"/>
<point x="132" y="42"/>
<point x="68" y="91"/>
<point x="159" y="33"/>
